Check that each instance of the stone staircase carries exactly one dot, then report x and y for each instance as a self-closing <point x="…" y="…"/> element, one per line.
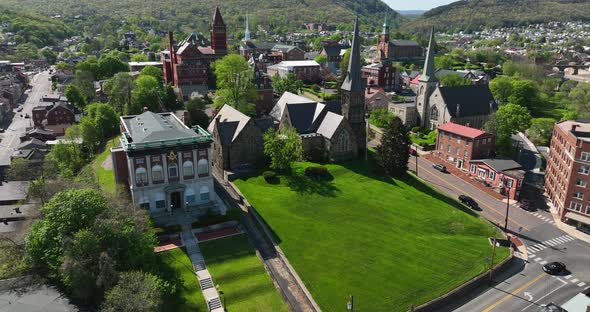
<point x="214" y="304"/>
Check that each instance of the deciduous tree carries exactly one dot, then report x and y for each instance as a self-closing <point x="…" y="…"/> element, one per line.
<point x="234" y="84"/>
<point x="135" y="292"/>
<point x="283" y="147"/>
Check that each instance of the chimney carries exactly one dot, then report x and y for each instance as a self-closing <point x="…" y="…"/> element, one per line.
<point x="574" y="127"/>
<point x="145" y="109"/>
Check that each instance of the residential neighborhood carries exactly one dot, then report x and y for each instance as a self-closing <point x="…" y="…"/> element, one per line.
<point x="240" y="163"/>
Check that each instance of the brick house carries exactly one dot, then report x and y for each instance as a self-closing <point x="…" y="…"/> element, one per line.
<point x="54" y="114"/>
<point x="289" y="52"/>
<point x="504" y="175"/>
<point x="382" y="76"/>
<point x="568" y="168"/>
<point x="458" y="144"/>
<point x="304" y="70"/>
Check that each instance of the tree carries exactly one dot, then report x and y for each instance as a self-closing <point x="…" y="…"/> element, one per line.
<point x="135" y="292"/>
<point x="21" y="169"/>
<point x="381" y="117"/>
<point x="99" y="123"/>
<point x="154" y="72"/>
<point x="119" y="90"/>
<point x="506" y="121"/>
<point x="321" y="59"/>
<point x="68" y="157"/>
<point x="75" y="97"/>
<point x="84" y="81"/>
<point x="290" y="83"/>
<point x="234" y="84"/>
<point x="580" y="98"/>
<point x="138" y="57"/>
<point x="196" y="112"/>
<point x="501" y="88"/>
<point x="524" y="93"/>
<point x="454" y="80"/>
<point x="108" y="65"/>
<point x="169" y="98"/>
<point x="146" y="93"/>
<point x="283" y="147"/>
<point x="443" y="61"/>
<point x="394" y="150"/>
<point x="541" y="130"/>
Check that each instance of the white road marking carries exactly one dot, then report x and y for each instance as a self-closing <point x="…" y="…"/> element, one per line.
<point x="543" y="262"/>
<point x="582" y="284"/>
<point x="568" y="277"/>
<point x="531" y="256"/>
<point x="575" y="280"/>
<point x="538" y="259"/>
<point x="547" y="294"/>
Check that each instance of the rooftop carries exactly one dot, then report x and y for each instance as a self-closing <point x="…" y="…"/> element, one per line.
<point x="461" y="130"/>
<point x="579" y="128"/>
<point x="303" y="63"/>
<point x="500" y="163"/>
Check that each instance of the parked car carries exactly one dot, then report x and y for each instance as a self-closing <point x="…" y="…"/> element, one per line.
<point x="1" y="130"/>
<point x="554" y="268"/>
<point x="468" y="201"/>
<point x="413" y="152"/>
<point x="439" y="167"/>
<point x="19" y="108"/>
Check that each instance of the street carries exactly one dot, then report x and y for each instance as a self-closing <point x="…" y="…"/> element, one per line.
<point x="528" y="287"/>
<point x="10" y="138"/>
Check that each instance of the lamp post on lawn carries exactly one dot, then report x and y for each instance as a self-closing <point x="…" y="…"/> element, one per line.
<point x="350" y="304"/>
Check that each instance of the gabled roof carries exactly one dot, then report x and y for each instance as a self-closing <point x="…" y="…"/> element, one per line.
<point x="472" y="100"/>
<point x="332" y="50"/>
<point x="283" y="48"/>
<point x="329" y="124"/>
<point x="462" y="130"/>
<point x="500" y="164"/>
<point x="31" y="144"/>
<point x="231" y="123"/>
<point x="287" y="97"/>
<point x="405" y="43"/>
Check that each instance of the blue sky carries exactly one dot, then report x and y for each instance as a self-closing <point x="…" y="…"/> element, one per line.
<point x="416" y="4"/>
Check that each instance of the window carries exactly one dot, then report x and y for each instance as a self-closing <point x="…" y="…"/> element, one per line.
<point x="157" y="175"/>
<point x="343" y="142"/>
<point x="141" y="176"/>
<point x="203" y="167"/>
<point x="578" y="195"/>
<point x="575" y="206"/>
<point x="585" y="156"/>
<point x="457" y="151"/>
<point x="584" y="170"/>
<point x="172" y="170"/>
<point x="492" y="175"/>
<point x="187" y="168"/>
<point x="434" y="113"/>
<point x="160" y="204"/>
<point x="448" y="148"/>
<point x="190" y="199"/>
<point x="204" y="191"/>
<point x="145" y="206"/>
<point x="139" y="161"/>
<point x="465" y="154"/>
<point x="581" y="182"/>
<point x="509" y="183"/>
<point x="472" y="168"/>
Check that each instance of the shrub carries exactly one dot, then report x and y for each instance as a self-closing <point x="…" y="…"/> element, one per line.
<point x="270" y="176"/>
<point x="416" y="129"/>
<point x="315" y="87"/>
<point x="316" y="172"/>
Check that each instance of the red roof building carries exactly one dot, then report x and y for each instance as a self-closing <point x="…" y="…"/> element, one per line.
<point x="460" y="144"/>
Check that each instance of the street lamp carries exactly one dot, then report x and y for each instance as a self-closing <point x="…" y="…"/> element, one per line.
<point x="222" y="295"/>
<point x="507" y="206"/>
<point x="350" y="304"/>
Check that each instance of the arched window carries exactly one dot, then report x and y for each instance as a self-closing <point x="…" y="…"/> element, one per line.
<point x="157" y="174"/>
<point x="343" y="142"/>
<point x="203" y="167"/>
<point x="172" y="170"/>
<point x="141" y="176"/>
<point x="434" y="113"/>
<point x="187" y="168"/>
<point x="204" y="191"/>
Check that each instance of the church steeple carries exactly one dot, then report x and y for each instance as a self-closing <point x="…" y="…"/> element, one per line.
<point x="247" y="32"/>
<point x="385" y="27"/>
<point x="428" y="73"/>
<point x="218" y="33"/>
<point x="353" y="81"/>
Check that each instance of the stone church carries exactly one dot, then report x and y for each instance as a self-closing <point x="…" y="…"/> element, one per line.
<point x="467" y="105"/>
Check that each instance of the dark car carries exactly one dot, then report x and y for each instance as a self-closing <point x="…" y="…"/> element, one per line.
<point x="439" y="167"/>
<point x="468" y="201"/>
<point x="554" y="268"/>
<point x="413" y="152"/>
<point x="27" y="116"/>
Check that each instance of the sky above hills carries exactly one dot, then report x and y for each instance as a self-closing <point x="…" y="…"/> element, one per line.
<point x="416" y="5"/>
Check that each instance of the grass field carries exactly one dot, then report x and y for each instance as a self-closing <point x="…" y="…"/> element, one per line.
<point x="237" y="270"/>
<point x="106" y="178"/>
<point x="175" y="264"/>
<point x="390" y="243"/>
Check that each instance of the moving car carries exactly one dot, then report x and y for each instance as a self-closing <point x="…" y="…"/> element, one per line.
<point x="468" y="201"/>
<point x="439" y="167"/>
<point x="554" y="268"/>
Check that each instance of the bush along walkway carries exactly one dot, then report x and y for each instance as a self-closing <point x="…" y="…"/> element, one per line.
<point x="203" y="275"/>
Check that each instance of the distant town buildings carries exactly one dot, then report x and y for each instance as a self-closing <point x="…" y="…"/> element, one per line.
<point x="568" y="167"/>
<point x="308" y="71"/>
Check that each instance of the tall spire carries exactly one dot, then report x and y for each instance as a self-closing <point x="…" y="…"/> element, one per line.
<point x="217" y="18"/>
<point x="428" y="73"/>
<point x="247" y="32"/>
<point x="385" y="26"/>
<point x="353" y="81"/>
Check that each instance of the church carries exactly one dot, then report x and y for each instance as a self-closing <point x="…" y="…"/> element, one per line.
<point x="469" y="105"/>
<point x="187" y="64"/>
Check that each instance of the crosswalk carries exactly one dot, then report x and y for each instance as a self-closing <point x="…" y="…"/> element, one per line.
<point x="548" y="243"/>
<point x="545" y="218"/>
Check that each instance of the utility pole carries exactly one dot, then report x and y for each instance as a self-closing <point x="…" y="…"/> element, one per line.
<point x="492" y="260"/>
<point x="416" y="162"/>
<point x="507" y="208"/>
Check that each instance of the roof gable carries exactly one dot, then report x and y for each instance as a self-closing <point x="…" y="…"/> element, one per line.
<point x="231" y="122"/>
<point x="471" y="100"/>
<point x="461" y="130"/>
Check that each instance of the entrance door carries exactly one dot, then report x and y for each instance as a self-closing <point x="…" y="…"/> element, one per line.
<point x="460" y="164"/>
<point x="175" y="200"/>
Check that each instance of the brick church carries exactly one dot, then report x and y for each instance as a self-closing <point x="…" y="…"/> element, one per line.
<point x="187" y="63"/>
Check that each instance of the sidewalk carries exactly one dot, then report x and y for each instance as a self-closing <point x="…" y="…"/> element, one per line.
<point x="569" y="229"/>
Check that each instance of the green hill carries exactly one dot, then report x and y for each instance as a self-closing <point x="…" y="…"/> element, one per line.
<point x="195" y="15"/>
<point x="475" y="14"/>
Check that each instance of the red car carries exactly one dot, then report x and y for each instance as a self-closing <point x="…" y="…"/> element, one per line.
<point x="413" y="152"/>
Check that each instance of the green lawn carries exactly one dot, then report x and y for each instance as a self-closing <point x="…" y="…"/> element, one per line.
<point x="390" y="243"/>
<point x="234" y="266"/>
<point x="175" y="264"/>
<point x="106" y="178"/>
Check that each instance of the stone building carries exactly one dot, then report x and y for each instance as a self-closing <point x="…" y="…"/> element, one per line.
<point x="165" y="164"/>
<point x="237" y="139"/>
<point x="187" y="64"/>
<point x="437" y="105"/>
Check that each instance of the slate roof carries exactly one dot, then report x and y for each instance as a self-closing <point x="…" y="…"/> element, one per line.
<point x="405" y="43"/>
<point x="287" y="97"/>
<point x="444" y="72"/>
<point x="329" y="124"/>
<point x="499" y="164"/>
<point x="283" y="48"/>
<point x="333" y="50"/>
<point x="302" y="116"/>
<point x="231" y="123"/>
<point x="152" y="127"/>
<point x="32" y="143"/>
<point x="473" y="100"/>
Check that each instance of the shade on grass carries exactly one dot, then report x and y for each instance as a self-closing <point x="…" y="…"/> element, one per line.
<point x="175" y="264"/>
<point x="233" y="264"/>
<point x="390" y="243"/>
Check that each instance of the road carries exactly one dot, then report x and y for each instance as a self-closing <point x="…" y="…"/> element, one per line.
<point x="529" y="287"/>
<point x="10" y="138"/>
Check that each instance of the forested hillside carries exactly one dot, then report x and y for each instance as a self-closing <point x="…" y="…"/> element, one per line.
<point x="475" y="14"/>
